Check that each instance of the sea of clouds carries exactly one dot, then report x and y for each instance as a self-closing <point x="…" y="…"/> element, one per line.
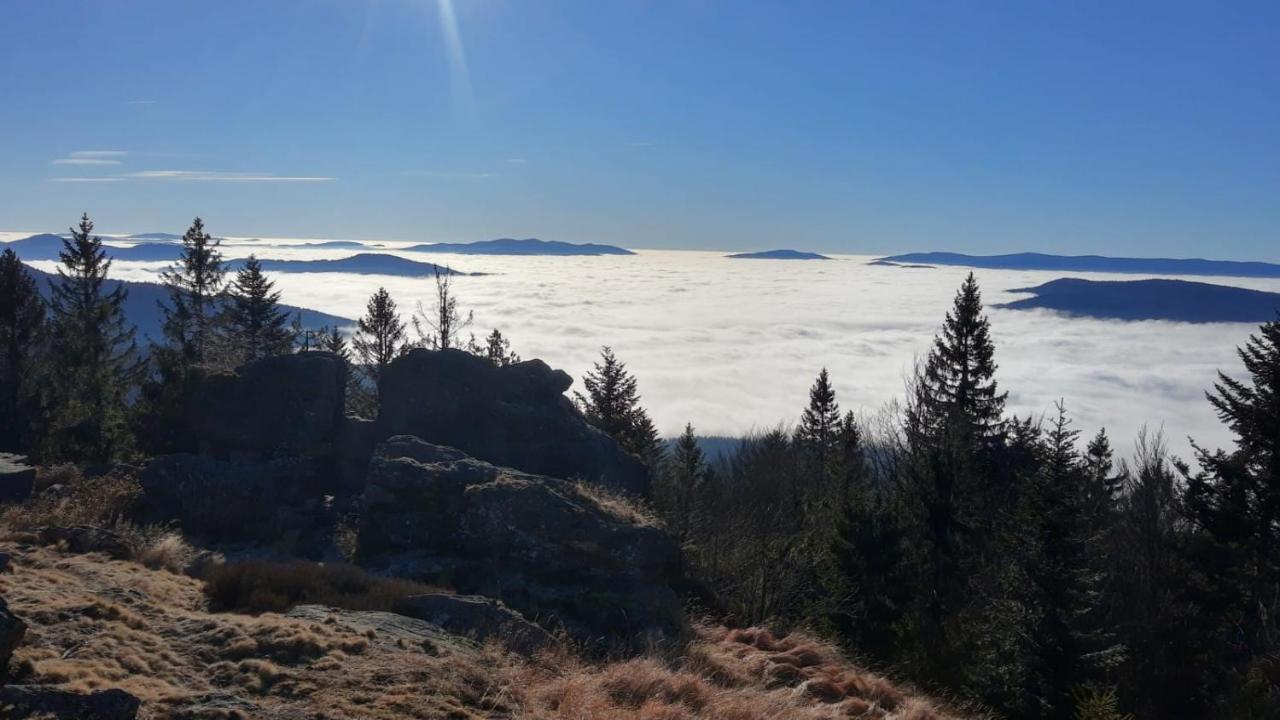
<point x="733" y="345"/>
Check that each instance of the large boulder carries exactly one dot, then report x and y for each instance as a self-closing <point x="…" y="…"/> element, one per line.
<point x="44" y="701"/>
<point x="543" y="546"/>
<point x="281" y="406"/>
<point x="12" y="630"/>
<point x="478" y="618"/>
<point x="516" y="416"/>
<point x="17" y="478"/>
<point x="275" y="501"/>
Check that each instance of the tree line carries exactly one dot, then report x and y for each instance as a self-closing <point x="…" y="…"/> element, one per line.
<point x="76" y="385"/>
<point x="1004" y="561"/>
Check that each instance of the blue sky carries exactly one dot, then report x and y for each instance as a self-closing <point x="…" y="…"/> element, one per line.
<point x="1144" y="128"/>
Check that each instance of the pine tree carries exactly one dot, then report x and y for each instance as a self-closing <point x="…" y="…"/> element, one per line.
<point x="954" y="493"/>
<point x="256" y="325"/>
<point x="195" y="283"/>
<point x="682" y="484"/>
<point x="22" y="335"/>
<point x="498" y="350"/>
<point x="1234" y="504"/>
<point x="1066" y="573"/>
<point x="93" y="355"/>
<point x="380" y="337"/>
<point x="957" y="392"/>
<point x="819" y="432"/>
<point x="612" y="404"/>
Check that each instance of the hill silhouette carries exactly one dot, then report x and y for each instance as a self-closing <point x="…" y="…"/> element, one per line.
<point x="528" y="246"/>
<point x="1093" y="263"/>
<point x="142" y="307"/>
<point x="1178" y="300"/>
<point x="782" y="254"/>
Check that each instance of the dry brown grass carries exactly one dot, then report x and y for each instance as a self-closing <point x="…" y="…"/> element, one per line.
<point x="723" y="675"/>
<point x="103" y="500"/>
<point x="259" y="586"/>
<point x="97" y="623"/>
<point x="620" y="505"/>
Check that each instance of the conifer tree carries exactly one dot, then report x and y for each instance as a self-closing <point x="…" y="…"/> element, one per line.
<point x="819" y="432"/>
<point x="195" y="283"/>
<point x="1066" y="573"/>
<point x="93" y="354"/>
<point x="957" y="392"/>
<point x="613" y="405"/>
<point x="256" y="325"/>
<point x="380" y="337"/>
<point x="22" y="335"/>
<point x="1234" y="503"/>
<point x="682" y="484"/>
<point x="498" y="350"/>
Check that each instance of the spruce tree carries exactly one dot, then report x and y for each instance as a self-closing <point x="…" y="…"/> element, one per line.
<point x="256" y="325"/>
<point x="613" y="405"/>
<point x="93" y="355"/>
<point x="957" y="392"/>
<point x="380" y="337"/>
<point x="682" y="484"/>
<point x="819" y="432"/>
<point x="1234" y="503"/>
<point x="1067" y="574"/>
<point x="195" y="283"/>
<point x="22" y="336"/>
<point x="498" y="350"/>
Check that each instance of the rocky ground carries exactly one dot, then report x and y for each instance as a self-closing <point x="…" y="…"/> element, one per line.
<point x="95" y="623"/>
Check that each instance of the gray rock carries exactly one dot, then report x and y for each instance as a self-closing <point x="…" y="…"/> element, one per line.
<point x="17" y="478"/>
<point x="478" y="618"/>
<point x="86" y="539"/>
<point x="537" y="543"/>
<point x="281" y="406"/>
<point x="221" y="501"/>
<point x="12" y="630"/>
<point x="383" y="626"/>
<point x="516" y="416"/>
<point x="29" y="701"/>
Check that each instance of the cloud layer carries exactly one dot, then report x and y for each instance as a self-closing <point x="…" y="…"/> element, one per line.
<point x="732" y="345"/>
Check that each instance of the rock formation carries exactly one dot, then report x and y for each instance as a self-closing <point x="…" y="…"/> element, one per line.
<point x="515" y="416"/>
<point x="283" y="406"/>
<point x="543" y="546"/>
<point x="16" y="478"/>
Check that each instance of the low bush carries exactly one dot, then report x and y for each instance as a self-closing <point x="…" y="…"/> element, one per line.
<point x="102" y="500"/>
<point x="260" y="586"/>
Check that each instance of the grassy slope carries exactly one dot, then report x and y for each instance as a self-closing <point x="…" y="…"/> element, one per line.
<point x="97" y="623"/>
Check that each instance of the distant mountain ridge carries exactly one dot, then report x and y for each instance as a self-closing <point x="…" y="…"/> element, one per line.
<point x="47" y="247"/>
<point x="527" y="246"/>
<point x="360" y="264"/>
<point x="1093" y="263"/>
<point x="781" y="254"/>
<point x="1176" y="300"/>
<point x="142" y="306"/>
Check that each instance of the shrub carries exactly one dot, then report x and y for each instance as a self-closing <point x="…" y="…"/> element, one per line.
<point x="102" y="500"/>
<point x="261" y="586"/>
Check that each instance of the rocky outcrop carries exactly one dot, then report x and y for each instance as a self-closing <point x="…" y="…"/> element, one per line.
<point x="478" y="618"/>
<point x="12" y="630"/>
<point x="42" y="701"/>
<point x="541" y="545"/>
<point x="281" y="406"/>
<point x="515" y="416"/>
<point x="275" y="501"/>
<point x="17" y="478"/>
<point x="82" y="539"/>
